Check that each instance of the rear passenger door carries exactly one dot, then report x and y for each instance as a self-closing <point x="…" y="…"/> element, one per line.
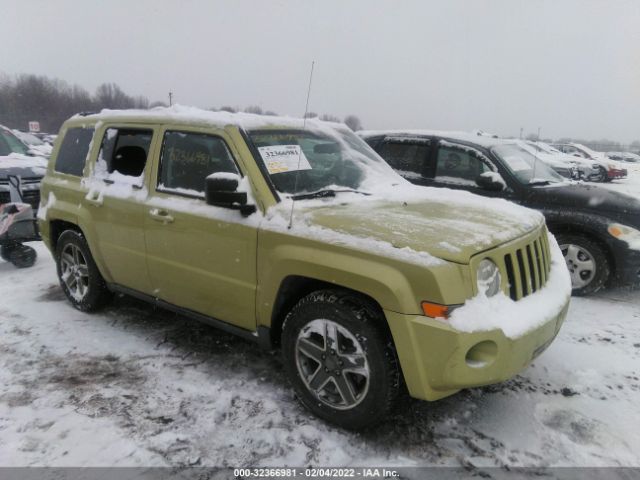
<point x="115" y="202"/>
<point x="200" y="257"/>
<point x="408" y="156"/>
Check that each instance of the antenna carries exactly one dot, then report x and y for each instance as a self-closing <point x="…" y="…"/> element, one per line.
<point x="304" y="127"/>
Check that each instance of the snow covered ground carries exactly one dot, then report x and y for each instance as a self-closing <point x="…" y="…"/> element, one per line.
<point x="135" y="385"/>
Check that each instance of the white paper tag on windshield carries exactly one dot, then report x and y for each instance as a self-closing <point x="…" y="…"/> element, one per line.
<point x="284" y="158"/>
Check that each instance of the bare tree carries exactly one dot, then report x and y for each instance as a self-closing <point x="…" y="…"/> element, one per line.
<point x="329" y="118"/>
<point x="254" y="109"/>
<point x="353" y="122"/>
<point x="227" y="108"/>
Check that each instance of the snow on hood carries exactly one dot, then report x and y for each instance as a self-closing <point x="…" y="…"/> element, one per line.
<point x="422" y="225"/>
<point x="22" y="165"/>
<point x="517" y="318"/>
<point x="444" y="230"/>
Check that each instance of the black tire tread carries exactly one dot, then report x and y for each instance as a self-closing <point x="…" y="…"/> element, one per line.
<point x="368" y="313"/>
<point x="99" y="295"/>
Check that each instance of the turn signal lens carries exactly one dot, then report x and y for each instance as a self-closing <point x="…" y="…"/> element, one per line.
<point x="435" y="310"/>
<point x="615" y="231"/>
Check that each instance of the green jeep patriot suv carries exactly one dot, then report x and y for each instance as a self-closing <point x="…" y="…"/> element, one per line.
<point x="297" y="235"/>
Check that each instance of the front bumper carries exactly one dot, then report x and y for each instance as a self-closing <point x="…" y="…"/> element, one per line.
<point x="438" y="361"/>
<point x="627" y="264"/>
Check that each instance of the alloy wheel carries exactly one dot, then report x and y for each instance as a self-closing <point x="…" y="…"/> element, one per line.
<point x="74" y="271"/>
<point x="332" y="364"/>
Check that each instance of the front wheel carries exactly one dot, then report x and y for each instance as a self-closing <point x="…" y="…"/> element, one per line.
<point x="587" y="263"/>
<point x="340" y="358"/>
<point x="601" y="176"/>
<point x="79" y="276"/>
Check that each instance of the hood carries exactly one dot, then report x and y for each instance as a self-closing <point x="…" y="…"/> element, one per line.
<point x="453" y="232"/>
<point x="22" y="166"/>
<point x="585" y="197"/>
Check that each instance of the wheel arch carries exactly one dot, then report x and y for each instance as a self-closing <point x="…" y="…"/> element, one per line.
<point x="294" y="288"/>
<point x="591" y="234"/>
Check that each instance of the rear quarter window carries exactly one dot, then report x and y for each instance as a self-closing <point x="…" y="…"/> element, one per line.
<point x="72" y="155"/>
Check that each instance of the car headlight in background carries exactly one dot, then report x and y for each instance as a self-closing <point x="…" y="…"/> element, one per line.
<point x="488" y="278"/>
<point x="626" y="234"/>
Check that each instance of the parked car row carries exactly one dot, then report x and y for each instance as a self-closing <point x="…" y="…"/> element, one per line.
<point x="610" y="168"/>
<point x="583" y="217"/>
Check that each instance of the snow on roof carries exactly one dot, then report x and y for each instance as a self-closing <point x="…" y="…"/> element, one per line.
<point x="483" y="140"/>
<point x="186" y="114"/>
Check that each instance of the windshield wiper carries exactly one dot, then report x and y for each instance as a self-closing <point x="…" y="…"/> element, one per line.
<point x="539" y="182"/>
<point x="327" y="192"/>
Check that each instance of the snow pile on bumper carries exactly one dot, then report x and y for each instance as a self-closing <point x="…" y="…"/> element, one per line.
<point x="482" y="313"/>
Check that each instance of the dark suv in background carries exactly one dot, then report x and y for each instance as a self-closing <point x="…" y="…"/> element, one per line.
<point x="598" y="229"/>
<point x="17" y="161"/>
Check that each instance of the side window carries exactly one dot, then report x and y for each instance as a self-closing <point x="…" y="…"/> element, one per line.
<point x="406" y="157"/>
<point x="459" y="165"/>
<point x="73" y="152"/>
<point x="188" y="158"/>
<point x="124" y="153"/>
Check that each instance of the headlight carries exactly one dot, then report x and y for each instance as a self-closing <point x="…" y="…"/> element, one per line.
<point x="488" y="278"/>
<point x="626" y="234"/>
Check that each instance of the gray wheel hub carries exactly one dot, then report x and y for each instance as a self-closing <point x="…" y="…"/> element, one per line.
<point x="74" y="271"/>
<point x="332" y="364"/>
<point x="580" y="263"/>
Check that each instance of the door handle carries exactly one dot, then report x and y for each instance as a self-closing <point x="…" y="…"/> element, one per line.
<point x="94" y="200"/>
<point x="160" y="215"/>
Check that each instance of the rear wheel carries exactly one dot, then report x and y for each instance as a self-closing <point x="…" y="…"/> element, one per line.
<point x="79" y="276"/>
<point x="340" y="360"/>
<point x="587" y="263"/>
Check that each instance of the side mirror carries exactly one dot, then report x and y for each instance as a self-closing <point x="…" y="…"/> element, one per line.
<point x="490" y="181"/>
<point x="221" y="190"/>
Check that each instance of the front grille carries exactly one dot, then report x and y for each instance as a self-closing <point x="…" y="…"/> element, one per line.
<point x="527" y="267"/>
<point x="32" y="197"/>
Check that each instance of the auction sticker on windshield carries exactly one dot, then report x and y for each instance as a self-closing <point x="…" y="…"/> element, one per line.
<point x="284" y="158"/>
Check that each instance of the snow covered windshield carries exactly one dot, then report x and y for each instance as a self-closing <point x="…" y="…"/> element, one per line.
<point x="305" y="161"/>
<point x="525" y="166"/>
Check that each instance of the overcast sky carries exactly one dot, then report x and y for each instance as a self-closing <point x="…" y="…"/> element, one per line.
<point x="569" y="67"/>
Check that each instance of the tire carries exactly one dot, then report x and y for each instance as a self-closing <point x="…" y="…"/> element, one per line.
<point x="587" y="263"/>
<point x="369" y="389"/>
<point x="22" y="256"/>
<point x="5" y="251"/>
<point x="79" y="276"/>
<point x="600" y="177"/>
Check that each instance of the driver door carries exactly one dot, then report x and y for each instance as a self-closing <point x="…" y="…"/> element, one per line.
<point x="200" y="257"/>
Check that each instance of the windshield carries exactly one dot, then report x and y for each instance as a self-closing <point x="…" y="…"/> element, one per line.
<point x="9" y="144"/>
<point x="304" y="161"/>
<point x="525" y="166"/>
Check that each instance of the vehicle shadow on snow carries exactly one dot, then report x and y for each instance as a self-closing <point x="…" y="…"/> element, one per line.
<point x="426" y="432"/>
<point x="432" y="432"/>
